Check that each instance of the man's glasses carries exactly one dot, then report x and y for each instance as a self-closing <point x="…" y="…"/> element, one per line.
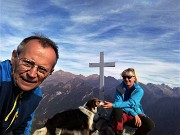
<point x="28" y="65"/>
<point x="128" y="77"/>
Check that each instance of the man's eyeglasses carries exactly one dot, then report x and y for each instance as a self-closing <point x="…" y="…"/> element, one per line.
<point x="128" y="77"/>
<point x="28" y="65"/>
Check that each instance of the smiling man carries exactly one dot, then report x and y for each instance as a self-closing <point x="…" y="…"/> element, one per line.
<point x="20" y="94"/>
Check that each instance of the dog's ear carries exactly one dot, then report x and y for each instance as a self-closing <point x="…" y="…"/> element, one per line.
<point x="92" y="103"/>
<point x="96" y="102"/>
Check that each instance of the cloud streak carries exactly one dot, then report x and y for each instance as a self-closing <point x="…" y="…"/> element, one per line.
<point x="139" y="34"/>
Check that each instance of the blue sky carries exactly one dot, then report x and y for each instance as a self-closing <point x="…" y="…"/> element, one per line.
<point x="142" y="34"/>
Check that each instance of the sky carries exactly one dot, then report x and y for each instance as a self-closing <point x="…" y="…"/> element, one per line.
<point x="142" y="34"/>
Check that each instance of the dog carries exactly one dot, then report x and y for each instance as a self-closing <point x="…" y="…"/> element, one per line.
<point x="72" y="122"/>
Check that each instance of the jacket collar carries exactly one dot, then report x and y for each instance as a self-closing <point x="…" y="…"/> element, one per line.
<point x="122" y="88"/>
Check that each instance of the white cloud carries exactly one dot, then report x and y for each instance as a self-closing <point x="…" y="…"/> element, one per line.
<point x="139" y="34"/>
<point x="85" y="19"/>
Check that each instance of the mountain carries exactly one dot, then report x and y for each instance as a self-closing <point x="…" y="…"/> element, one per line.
<point x="64" y="90"/>
<point x="163" y="90"/>
<point x="165" y="113"/>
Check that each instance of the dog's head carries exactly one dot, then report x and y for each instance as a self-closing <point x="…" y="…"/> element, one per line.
<point x="93" y="103"/>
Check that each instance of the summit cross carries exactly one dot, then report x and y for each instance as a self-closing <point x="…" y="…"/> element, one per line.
<point x="101" y="66"/>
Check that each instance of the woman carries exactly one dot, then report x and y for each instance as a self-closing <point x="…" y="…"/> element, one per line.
<point x="127" y="107"/>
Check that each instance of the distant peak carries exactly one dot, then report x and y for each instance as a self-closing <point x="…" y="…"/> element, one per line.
<point x="81" y="76"/>
<point x="61" y="72"/>
<point x="93" y="76"/>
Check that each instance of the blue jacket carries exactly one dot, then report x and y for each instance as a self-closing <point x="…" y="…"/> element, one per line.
<point x="27" y="102"/>
<point x="131" y="106"/>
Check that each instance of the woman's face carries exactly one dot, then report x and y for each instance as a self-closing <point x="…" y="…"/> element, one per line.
<point x="129" y="79"/>
<point x="33" y="65"/>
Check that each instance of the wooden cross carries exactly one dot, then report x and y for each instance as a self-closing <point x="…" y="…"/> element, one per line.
<point x="101" y="66"/>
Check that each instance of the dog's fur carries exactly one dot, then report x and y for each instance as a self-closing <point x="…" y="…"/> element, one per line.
<point x="72" y="122"/>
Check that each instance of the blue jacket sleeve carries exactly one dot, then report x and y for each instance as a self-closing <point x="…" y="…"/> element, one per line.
<point x="130" y="105"/>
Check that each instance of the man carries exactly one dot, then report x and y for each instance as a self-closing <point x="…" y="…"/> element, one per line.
<point x="20" y="94"/>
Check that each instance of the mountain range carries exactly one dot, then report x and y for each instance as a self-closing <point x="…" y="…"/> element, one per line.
<point x="64" y="90"/>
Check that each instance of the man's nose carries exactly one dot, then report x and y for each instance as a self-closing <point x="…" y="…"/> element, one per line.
<point x="33" y="72"/>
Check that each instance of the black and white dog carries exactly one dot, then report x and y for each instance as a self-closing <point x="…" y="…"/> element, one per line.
<point x="72" y="122"/>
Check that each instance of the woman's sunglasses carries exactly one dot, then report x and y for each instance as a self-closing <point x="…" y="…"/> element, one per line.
<point x="128" y="77"/>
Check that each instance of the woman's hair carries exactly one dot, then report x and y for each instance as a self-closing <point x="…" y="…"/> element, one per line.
<point x="132" y="70"/>
<point x="45" y="42"/>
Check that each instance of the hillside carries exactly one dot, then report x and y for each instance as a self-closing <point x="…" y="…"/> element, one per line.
<point x="64" y="90"/>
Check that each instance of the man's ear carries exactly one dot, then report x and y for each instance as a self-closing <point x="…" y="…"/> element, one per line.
<point x="14" y="55"/>
<point x="52" y="70"/>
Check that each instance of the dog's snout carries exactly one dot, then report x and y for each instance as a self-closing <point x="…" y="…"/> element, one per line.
<point x="100" y="103"/>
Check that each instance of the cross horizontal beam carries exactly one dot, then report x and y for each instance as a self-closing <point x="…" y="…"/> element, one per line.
<point x="107" y="64"/>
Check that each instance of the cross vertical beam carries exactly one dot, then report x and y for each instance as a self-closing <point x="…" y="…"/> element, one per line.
<point x="101" y="66"/>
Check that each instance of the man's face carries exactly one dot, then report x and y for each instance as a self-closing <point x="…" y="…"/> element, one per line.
<point x="33" y="65"/>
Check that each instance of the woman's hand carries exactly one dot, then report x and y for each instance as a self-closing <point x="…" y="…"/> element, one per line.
<point x="107" y="104"/>
<point x="138" y="122"/>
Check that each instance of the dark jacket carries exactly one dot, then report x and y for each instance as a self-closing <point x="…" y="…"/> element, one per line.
<point x="27" y="102"/>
